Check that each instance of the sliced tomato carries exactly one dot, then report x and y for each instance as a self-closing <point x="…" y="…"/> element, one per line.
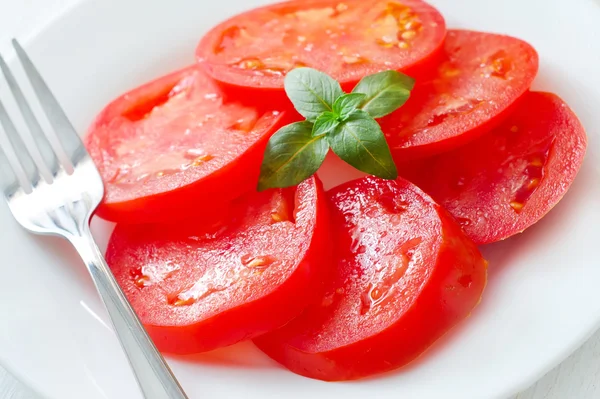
<point x="198" y="287"/>
<point x="175" y="145"/>
<point x="405" y="275"/>
<point x="480" y="78"/>
<point x="507" y="180"/>
<point x="345" y="39"/>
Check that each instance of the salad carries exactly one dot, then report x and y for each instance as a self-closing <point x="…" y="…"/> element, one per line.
<point x="225" y="232"/>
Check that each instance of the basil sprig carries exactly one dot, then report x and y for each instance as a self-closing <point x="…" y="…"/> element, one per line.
<point x="344" y="123"/>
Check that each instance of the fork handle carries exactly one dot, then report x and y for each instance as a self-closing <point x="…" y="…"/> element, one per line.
<point x="155" y="378"/>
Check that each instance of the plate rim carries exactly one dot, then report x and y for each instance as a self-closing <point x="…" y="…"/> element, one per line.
<point x="32" y="36"/>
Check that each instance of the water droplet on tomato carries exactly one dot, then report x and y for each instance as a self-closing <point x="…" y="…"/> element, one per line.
<point x="517" y="206"/>
<point x="183" y="302"/>
<point x="250" y="63"/>
<point x="390" y="271"/>
<point x="408" y="34"/>
<point x="244" y="124"/>
<point x="396" y="219"/>
<point x="386" y="41"/>
<point x="281" y="212"/>
<point x="278" y="217"/>
<point x="498" y="65"/>
<point x="393" y="203"/>
<point x="454" y="109"/>
<point x="376" y="294"/>
<point x="354" y="59"/>
<point x="257" y="262"/>
<point x="533" y="183"/>
<point x="119" y="175"/>
<point x="465" y="280"/>
<point x="409" y="247"/>
<point x="448" y="70"/>
<point x="271" y="66"/>
<point x="533" y="174"/>
<point x="412" y="24"/>
<point x="214" y="281"/>
<point x="314" y="16"/>
<point x="356" y="244"/>
<point x="197" y="155"/>
<point x="153" y="273"/>
<point x="365" y="302"/>
<point x="396" y="26"/>
<point x="141" y="282"/>
<point x="194" y="153"/>
<point x="464" y="221"/>
<point x="230" y="38"/>
<point x="244" y="273"/>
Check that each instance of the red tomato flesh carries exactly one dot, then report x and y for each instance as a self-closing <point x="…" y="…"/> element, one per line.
<point x="345" y="39"/>
<point x="405" y="274"/>
<point x="472" y="90"/>
<point x="177" y="144"/>
<point x="197" y="288"/>
<point x="509" y="179"/>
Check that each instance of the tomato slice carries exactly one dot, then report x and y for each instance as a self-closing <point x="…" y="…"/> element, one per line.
<point x="509" y="179"/>
<point x="175" y="145"/>
<point x="472" y="90"/>
<point x="405" y="275"/>
<point x="197" y="288"/>
<point x="347" y="39"/>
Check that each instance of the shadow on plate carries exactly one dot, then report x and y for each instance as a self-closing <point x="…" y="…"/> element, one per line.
<point x="242" y="355"/>
<point x="66" y="258"/>
<point x="501" y="254"/>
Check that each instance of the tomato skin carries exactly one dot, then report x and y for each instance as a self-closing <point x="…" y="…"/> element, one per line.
<point x="477" y="84"/>
<point x="202" y="327"/>
<point x="173" y="199"/>
<point x="447" y="290"/>
<point x="507" y="180"/>
<point x="240" y="82"/>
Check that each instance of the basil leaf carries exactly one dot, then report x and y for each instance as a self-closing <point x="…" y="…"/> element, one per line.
<point x="385" y="92"/>
<point x="292" y="155"/>
<point x="347" y="104"/>
<point x="325" y="123"/>
<point x="312" y="92"/>
<point x="360" y="142"/>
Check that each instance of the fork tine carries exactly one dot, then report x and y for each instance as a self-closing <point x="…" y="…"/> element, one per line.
<point x="8" y="178"/>
<point x="68" y="137"/>
<point x="43" y="145"/>
<point x="23" y="156"/>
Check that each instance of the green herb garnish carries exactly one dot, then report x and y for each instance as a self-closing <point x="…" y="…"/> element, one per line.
<point x="343" y="122"/>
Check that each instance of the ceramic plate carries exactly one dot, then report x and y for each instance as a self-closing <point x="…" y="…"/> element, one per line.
<point x="543" y="297"/>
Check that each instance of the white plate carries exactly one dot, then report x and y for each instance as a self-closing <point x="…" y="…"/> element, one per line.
<point x="542" y="301"/>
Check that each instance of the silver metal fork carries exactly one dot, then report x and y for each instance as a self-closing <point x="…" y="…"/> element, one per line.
<point x="62" y="205"/>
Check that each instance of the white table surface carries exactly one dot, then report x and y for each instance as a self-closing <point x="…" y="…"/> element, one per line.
<point x="578" y="377"/>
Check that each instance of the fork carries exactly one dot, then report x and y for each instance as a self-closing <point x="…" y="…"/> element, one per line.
<point x="60" y="202"/>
